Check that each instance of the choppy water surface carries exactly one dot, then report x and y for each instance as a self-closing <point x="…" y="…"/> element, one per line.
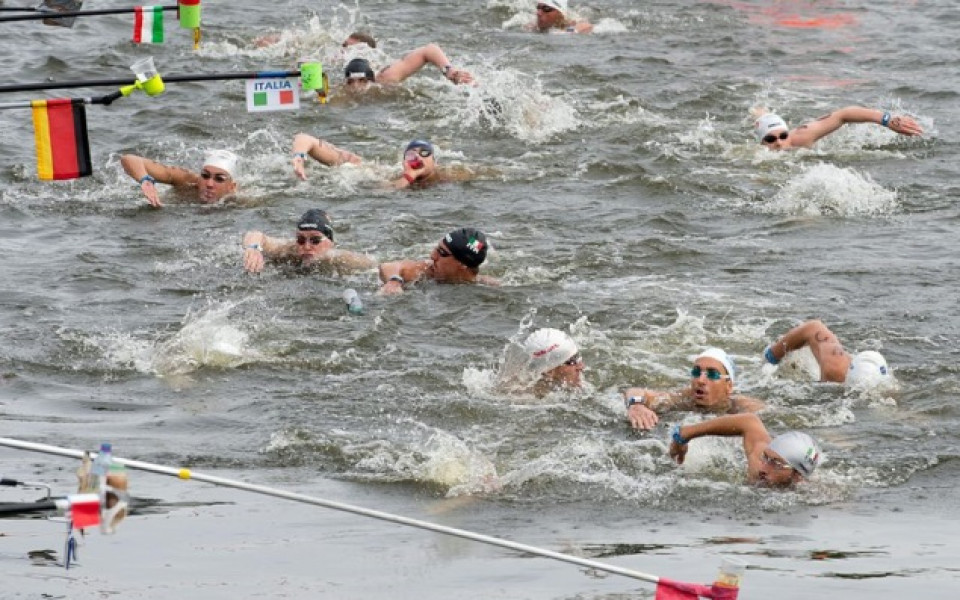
<point x="627" y="203"/>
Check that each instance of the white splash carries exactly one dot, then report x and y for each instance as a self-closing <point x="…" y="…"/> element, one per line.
<point x="825" y="189"/>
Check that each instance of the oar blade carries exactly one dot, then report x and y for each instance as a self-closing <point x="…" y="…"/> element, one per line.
<point x="60" y="6"/>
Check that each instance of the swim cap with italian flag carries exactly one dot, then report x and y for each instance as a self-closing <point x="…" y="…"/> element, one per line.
<point x="799" y="450"/>
<point x="468" y="245"/>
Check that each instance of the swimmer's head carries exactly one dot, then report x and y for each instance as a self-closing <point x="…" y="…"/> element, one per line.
<point x="550" y="14"/>
<point x="768" y="123"/>
<point x="316" y="220"/>
<point x="798" y="450"/>
<point x="359" y="72"/>
<point x="868" y="369"/>
<point x="549" y="348"/>
<point x="723" y="358"/>
<point x="217" y="176"/>
<point x="224" y="160"/>
<point x="468" y="246"/>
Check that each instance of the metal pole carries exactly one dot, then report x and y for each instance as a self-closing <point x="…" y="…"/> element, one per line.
<point x="54" y="85"/>
<point x="53" y="14"/>
<point x="184" y="473"/>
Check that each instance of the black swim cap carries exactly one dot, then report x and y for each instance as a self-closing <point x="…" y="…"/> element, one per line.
<point x="419" y="144"/>
<point x="316" y="220"/>
<point x="359" y="68"/>
<point x="469" y="246"/>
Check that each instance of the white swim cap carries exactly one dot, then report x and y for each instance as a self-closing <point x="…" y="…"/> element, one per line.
<point x="560" y="5"/>
<point x="767" y="123"/>
<point x="868" y="368"/>
<point x="221" y="159"/>
<point x="799" y="450"/>
<point x="549" y="348"/>
<point x="724" y="359"/>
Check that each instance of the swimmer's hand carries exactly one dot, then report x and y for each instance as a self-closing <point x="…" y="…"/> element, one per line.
<point x="459" y="76"/>
<point x="299" y="167"/>
<point x="150" y="191"/>
<point x="905" y="126"/>
<point x="391" y="288"/>
<point x="252" y="260"/>
<point x="642" y="417"/>
<point x="678" y="452"/>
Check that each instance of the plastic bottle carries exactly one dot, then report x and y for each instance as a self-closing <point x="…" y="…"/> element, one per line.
<point x="354" y="304"/>
<point x="101" y="465"/>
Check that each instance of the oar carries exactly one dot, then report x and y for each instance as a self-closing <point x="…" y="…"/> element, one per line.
<point x="184" y="473"/>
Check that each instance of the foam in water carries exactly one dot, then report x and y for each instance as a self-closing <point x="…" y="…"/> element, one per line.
<point x="825" y="189"/>
<point x="206" y="339"/>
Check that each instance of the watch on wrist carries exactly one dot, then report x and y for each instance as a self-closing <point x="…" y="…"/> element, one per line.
<point x="675" y="435"/>
<point x="641" y="400"/>
<point x="256" y="247"/>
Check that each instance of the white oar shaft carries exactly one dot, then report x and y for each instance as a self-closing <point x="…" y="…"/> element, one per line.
<point x="183" y="473"/>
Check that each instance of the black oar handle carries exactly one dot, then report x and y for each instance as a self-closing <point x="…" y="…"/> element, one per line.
<point x="59" y="85"/>
<point x="53" y="14"/>
<point x="26" y="507"/>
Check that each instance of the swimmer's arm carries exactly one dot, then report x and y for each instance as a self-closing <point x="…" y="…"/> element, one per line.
<point x="346" y="260"/>
<point x="272" y="248"/>
<point x="416" y="59"/>
<point x="748" y="426"/>
<point x="395" y="275"/>
<point x="807" y="134"/>
<point x="642" y="414"/>
<point x="140" y="168"/>
<point x="137" y="166"/>
<point x="320" y="151"/>
<point x="582" y="27"/>
<point x="488" y="280"/>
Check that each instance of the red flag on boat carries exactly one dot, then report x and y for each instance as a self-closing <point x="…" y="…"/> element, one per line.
<point x="84" y="510"/>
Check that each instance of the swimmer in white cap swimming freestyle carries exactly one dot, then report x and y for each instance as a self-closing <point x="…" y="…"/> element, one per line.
<point x="553" y="15"/>
<point x="867" y="368"/>
<point x="772" y="131"/>
<point x="775" y="462"/>
<point x="215" y="180"/>
<point x="712" y="381"/>
<point x="554" y="358"/>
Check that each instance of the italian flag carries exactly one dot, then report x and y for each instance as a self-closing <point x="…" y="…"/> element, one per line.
<point x="148" y="25"/>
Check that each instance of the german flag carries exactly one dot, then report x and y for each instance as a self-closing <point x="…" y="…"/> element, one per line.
<point x="60" y="130"/>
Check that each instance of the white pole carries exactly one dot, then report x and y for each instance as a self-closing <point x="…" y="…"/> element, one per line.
<point x="184" y="473"/>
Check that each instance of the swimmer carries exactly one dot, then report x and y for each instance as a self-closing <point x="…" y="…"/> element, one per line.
<point x="215" y="181"/>
<point x="780" y="462"/>
<point x="313" y="245"/>
<point x="358" y="74"/>
<point x="420" y="169"/>
<point x="773" y="133"/>
<point x="555" y="358"/>
<point x="552" y="15"/>
<point x="712" y="380"/>
<point x="456" y="259"/>
<point x="836" y="364"/>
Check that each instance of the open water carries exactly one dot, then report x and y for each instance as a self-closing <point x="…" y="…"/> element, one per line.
<point x="627" y="203"/>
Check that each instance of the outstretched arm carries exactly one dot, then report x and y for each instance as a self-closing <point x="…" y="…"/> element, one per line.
<point x="808" y="133"/>
<point x="323" y="152"/>
<point x="148" y="172"/>
<point x="826" y="348"/>
<point x="395" y="274"/>
<point x="415" y="60"/>
<point x="748" y="426"/>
